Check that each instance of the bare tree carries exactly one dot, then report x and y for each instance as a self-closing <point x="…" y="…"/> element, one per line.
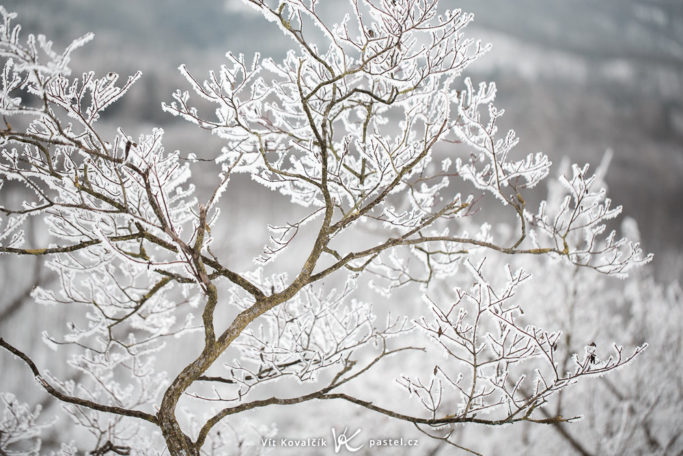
<point x="366" y="127"/>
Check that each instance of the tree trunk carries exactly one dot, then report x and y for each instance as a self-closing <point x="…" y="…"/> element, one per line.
<point x="177" y="442"/>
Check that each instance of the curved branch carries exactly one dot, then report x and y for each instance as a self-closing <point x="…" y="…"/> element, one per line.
<point x="68" y="248"/>
<point x="337" y="381"/>
<point x="439" y="421"/>
<point x="401" y="241"/>
<point x="219" y="269"/>
<point x="72" y="399"/>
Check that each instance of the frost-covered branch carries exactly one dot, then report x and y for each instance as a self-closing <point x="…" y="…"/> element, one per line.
<point x="387" y="157"/>
<point x="70" y="399"/>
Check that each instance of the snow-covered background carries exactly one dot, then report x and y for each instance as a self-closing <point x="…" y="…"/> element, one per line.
<point x="576" y="77"/>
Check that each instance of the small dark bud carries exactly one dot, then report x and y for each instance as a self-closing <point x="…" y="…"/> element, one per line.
<point x="129" y="144"/>
<point x="592" y="358"/>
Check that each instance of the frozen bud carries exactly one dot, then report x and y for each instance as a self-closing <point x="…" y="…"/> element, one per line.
<point x="591" y="353"/>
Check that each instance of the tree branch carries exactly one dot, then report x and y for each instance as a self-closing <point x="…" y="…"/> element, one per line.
<point x="72" y="399"/>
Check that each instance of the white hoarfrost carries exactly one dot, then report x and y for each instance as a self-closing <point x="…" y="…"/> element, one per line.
<point x="392" y="163"/>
